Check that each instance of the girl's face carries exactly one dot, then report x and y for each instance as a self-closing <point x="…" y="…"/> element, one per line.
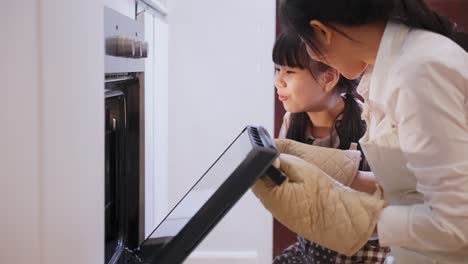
<point x="299" y="91"/>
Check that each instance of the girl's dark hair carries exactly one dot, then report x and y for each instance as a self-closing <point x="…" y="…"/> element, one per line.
<point x="296" y="15"/>
<point x="289" y="50"/>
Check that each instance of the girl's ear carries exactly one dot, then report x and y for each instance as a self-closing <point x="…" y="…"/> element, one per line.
<point x="323" y="33"/>
<point x="329" y="79"/>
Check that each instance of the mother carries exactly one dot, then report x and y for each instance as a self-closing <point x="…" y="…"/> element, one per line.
<point x="415" y="85"/>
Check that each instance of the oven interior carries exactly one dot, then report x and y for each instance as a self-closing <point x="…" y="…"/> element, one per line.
<point x="122" y="173"/>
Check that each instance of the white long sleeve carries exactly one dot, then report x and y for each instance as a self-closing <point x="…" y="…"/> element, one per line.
<point x="431" y="117"/>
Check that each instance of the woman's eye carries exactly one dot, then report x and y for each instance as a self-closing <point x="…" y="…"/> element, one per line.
<point x="290" y="72"/>
<point x="277" y="69"/>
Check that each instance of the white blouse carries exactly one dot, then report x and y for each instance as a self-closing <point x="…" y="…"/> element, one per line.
<point x="417" y="144"/>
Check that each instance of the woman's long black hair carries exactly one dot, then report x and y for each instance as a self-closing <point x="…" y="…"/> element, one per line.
<point x="296" y="15"/>
<point x="289" y="50"/>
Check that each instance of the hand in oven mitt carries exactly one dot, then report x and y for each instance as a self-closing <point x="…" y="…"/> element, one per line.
<point x="342" y="165"/>
<point x="317" y="207"/>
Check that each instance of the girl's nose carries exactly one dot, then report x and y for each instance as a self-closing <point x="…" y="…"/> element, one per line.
<point x="279" y="82"/>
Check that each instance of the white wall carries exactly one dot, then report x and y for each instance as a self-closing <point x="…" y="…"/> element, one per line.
<point x="52" y="140"/>
<point x="156" y="120"/>
<point x="161" y="116"/>
<point x="19" y="140"/>
<point x="126" y="7"/>
<point x="210" y="76"/>
<point x="52" y="113"/>
<point x="220" y="79"/>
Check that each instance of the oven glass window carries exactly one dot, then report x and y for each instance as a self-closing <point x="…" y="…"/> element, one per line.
<point x="114" y="175"/>
<point x="197" y="196"/>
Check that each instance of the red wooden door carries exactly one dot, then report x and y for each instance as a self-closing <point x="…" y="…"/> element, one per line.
<point x="457" y="10"/>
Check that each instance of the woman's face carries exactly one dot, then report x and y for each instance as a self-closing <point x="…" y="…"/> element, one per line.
<point x="340" y="58"/>
<point x="298" y="90"/>
<point x="336" y="50"/>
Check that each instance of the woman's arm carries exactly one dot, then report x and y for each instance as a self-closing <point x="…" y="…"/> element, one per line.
<point x="364" y="182"/>
<point x="430" y="115"/>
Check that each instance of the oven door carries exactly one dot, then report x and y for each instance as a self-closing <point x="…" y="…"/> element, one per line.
<point x="245" y="160"/>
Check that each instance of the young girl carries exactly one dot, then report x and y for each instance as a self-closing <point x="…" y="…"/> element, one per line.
<point x="416" y="107"/>
<point x="321" y="110"/>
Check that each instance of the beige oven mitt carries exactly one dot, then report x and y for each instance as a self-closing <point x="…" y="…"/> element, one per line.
<point x="315" y="206"/>
<point x="342" y="165"/>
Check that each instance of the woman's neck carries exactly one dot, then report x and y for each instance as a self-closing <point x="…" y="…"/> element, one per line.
<point x="323" y="122"/>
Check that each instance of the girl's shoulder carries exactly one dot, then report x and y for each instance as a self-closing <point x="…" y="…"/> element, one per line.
<point x="360" y="103"/>
<point x="285" y="125"/>
<point x="286" y="116"/>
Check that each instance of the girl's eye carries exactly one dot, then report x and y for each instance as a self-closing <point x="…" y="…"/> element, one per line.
<point x="277" y="69"/>
<point x="290" y="72"/>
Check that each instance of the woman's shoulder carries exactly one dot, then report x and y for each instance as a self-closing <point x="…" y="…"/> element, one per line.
<point x="425" y="68"/>
<point x="424" y="50"/>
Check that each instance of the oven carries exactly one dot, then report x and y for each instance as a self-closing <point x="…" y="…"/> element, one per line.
<point x="248" y="157"/>
<point x="124" y="135"/>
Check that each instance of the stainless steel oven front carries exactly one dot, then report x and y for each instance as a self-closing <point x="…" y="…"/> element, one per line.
<point x="124" y="135"/>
